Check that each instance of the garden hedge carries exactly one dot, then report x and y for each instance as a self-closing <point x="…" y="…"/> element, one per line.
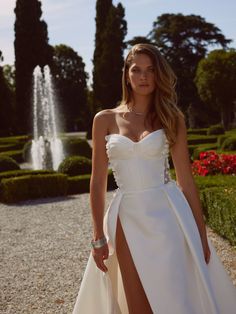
<point x="81" y="184"/>
<point x="23" y="172"/>
<point x="220" y="211"/>
<point x="27" y="187"/>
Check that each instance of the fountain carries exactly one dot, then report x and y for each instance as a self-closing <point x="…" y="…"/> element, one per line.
<point x="47" y="150"/>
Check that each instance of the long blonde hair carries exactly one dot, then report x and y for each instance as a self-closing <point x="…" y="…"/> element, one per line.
<point x="164" y="104"/>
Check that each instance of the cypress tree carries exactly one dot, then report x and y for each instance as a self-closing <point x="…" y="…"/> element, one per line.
<point x="108" y="55"/>
<point x="31" y="49"/>
<point x="102" y="12"/>
<point x="112" y="57"/>
<point x="6" y="105"/>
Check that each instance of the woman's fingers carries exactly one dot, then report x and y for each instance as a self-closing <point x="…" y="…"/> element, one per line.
<point x="99" y="255"/>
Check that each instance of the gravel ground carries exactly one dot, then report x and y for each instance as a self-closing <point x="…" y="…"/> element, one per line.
<point x="44" y="250"/>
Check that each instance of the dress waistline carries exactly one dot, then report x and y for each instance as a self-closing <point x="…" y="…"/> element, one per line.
<point x="127" y="191"/>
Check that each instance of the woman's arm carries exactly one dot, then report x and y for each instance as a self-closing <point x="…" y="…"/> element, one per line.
<point x="184" y="176"/>
<point x="98" y="180"/>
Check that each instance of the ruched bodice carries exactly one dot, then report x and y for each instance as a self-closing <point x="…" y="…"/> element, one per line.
<point x="139" y="165"/>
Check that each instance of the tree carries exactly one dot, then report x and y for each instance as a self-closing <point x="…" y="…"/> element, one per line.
<point x="31" y="49"/>
<point x="216" y="81"/>
<point x="138" y="40"/>
<point x="9" y="74"/>
<point x="6" y="105"/>
<point x="71" y="82"/>
<point x="102" y="12"/>
<point x="109" y="62"/>
<point x="184" y="40"/>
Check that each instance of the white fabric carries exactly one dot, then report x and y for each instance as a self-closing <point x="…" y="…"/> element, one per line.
<point x="162" y="236"/>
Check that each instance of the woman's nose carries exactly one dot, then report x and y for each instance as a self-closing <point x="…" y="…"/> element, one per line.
<point x="144" y="74"/>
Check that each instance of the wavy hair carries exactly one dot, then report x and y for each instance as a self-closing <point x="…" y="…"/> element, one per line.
<point x="164" y="101"/>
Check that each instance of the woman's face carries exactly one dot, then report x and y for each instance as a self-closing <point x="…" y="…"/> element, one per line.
<point x="141" y="75"/>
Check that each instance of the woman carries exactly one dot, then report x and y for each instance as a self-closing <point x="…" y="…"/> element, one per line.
<point x="150" y="252"/>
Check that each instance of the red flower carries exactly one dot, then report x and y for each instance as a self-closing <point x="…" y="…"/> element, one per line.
<point x="212" y="163"/>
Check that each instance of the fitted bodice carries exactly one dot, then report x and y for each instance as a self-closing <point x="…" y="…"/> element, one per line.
<point x="139" y="165"/>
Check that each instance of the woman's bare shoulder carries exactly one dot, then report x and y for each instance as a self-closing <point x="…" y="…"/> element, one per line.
<point x="105" y="113"/>
<point x="105" y="116"/>
<point x="103" y="120"/>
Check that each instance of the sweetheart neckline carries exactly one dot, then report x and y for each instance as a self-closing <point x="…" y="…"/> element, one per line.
<point x="149" y="134"/>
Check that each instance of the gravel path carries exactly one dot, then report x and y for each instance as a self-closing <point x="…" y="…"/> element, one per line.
<point x="44" y="250"/>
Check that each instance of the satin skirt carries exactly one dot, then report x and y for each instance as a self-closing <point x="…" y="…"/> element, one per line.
<point x="166" y="248"/>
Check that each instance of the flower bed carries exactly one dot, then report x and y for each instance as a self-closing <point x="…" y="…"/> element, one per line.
<point x="211" y="163"/>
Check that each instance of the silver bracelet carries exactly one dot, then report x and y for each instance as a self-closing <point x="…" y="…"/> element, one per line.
<point x="98" y="243"/>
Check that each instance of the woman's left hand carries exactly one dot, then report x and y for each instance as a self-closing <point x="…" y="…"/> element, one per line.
<point x="206" y="250"/>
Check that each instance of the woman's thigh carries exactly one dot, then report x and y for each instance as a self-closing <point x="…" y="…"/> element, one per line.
<point x="135" y="295"/>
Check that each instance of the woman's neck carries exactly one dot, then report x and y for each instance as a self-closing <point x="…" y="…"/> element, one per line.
<point x="141" y="103"/>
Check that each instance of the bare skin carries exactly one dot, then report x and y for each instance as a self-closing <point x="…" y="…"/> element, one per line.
<point x="111" y="121"/>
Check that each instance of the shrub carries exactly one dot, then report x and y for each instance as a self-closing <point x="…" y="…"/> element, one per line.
<point x="220" y="212"/>
<point x="31" y="187"/>
<point x="229" y="143"/>
<point x="201" y="139"/>
<point x="202" y="148"/>
<point x="23" y="172"/>
<point x="218" y="180"/>
<point x="215" y="130"/>
<point x="81" y="184"/>
<point x="14" y="154"/>
<point x="7" y="163"/>
<point x="197" y="131"/>
<point x="10" y="146"/>
<point x="221" y="139"/>
<point x="75" y="165"/>
<point x="77" y="147"/>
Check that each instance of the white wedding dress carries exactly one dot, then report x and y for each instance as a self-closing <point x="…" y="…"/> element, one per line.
<point x="162" y="236"/>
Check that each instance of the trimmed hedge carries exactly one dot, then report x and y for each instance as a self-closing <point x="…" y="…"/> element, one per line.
<point x="77" y="147"/>
<point x="229" y="143"/>
<point x="23" y="172"/>
<point x="220" y="211"/>
<point x="215" y="130"/>
<point x="202" y="148"/>
<point x="221" y="139"/>
<point x="27" y="187"/>
<point x="15" y="154"/>
<point x="202" y="131"/>
<point x="219" y="180"/>
<point x="15" y="139"/>
<point x="75" y="165"/>
<point x="81" y="184"/>
<point x="201" y="139"/>
<point x="7" y="163"/>
<point x="10" y="146"/>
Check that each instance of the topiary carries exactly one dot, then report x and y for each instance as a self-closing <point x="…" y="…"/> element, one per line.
<point x="215" y="129"/>
<point x="8" y="163"/>
<point x="77" y="147"/>
<point x="75" y="165"/>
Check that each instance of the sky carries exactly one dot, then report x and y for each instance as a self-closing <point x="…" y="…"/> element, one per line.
<point x="72" y="22"/>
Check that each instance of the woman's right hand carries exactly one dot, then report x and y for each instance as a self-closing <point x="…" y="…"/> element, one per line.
<point x="99" y="254"/>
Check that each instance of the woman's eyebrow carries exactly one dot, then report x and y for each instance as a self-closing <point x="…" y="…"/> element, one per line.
<point x="136" y="66"/>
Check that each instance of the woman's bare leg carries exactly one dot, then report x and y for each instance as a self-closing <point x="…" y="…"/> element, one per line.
<point x="135" y="295"/>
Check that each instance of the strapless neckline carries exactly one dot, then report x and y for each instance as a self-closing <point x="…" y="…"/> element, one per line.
<point x="129" y="139"/>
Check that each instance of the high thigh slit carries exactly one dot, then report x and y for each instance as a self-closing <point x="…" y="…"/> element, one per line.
<point x="161" y="237"/>
<point x="135" y="295"/>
